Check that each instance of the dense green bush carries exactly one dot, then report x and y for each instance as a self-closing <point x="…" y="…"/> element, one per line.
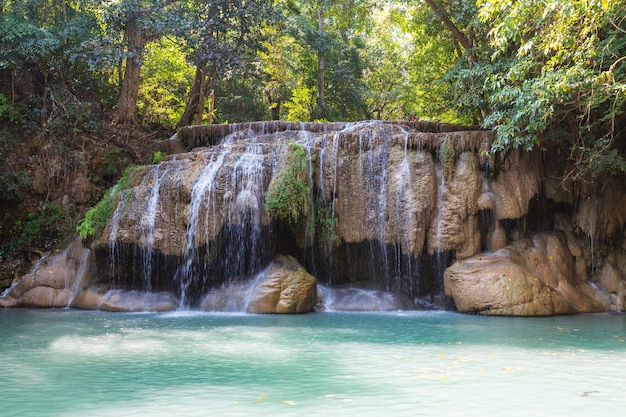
<point x="157" y="156"/>
<point x="40" y="229"/>
<point x="288" y="196"/>
<point x="97" y="217"/>
<point x="11" y="185"/>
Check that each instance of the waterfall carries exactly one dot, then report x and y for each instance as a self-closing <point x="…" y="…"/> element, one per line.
<point x="147" y="225"/>
<point x="196" y="225"/>
<point x="225" y="239"/>
<point x="389" y="209"/>
<point x="114" y="225"/>
<point x="81" y="273"/>
<point x="403" y="197"/>
<point x="201" y="192"/>
<point x="245" y="208"/>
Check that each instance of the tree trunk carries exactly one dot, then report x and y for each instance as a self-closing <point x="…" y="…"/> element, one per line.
<point x="320" y="67"/>
<point x="211" y="106"/>
<point x="127" y="105"/>
<point x="200" y="107"/>
<point x="200" y="87"/>
<point x="193" y="98"/>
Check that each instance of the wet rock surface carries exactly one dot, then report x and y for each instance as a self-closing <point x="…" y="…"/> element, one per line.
<point x="54" y="282"/>
<point x="393" y="205"/>
<point x="285" y="287"/>
<point x="535" y="277"/>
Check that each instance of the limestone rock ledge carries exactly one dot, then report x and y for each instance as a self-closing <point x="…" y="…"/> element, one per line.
<point x="535" y="277"/>
<point x="54" y="282"/>
<point x="284" y="287"/>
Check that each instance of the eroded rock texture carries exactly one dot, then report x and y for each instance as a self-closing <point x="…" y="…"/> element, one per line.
<point x="392" y="206"/>
<point x="285" y="287"/>
<point x="532" y="277"/>
<point x="54" y="282"/>
<point x="382" y="203"/>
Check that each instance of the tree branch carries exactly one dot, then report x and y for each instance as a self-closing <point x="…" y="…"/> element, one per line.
<point x="456" y="32"/>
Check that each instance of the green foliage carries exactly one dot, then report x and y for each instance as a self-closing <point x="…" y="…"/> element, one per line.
<point x="12" y="184"/>
<point x="452" y="70"/>
<point x="301" y="105"/>
<point x="166" y="75"/>
<point x="110" y="165"/>
<point x="157" y="156"/>
<point x="40" y="228"/>
<point x="465" y="93"/>
<point x="66" y="115"/>
<point x="325" y="222"/>
<point x="560" y="76"/>
<point x="238" y="98"/>
<point x="97" y="217"/>
<point x="549" y="70"/>
<point x="5" y="107"/>
<point x="601" y="161"/>
<point x="21" y="40"/>
<point x="288" y="196"/>
<point x="290" y="63"/>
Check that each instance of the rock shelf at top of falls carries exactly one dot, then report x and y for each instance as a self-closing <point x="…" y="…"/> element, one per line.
<point x="393" y="205"/>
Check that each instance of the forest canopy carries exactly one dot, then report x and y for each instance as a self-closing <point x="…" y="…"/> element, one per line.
<point x="536" y="72"/>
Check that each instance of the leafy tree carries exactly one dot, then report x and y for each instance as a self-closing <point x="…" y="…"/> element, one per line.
<point x="140" y="22"/>
<point x="40" y="77"/>
<point x="288" y="69"/>
<point x="330" y="33"/>
<point x="386" y="75"/>
<point x="166" y="78"/>
<point x="280" y="74"/>
<point x="405" y="58"/>
<point x="465" y="37"/>
<point x="562" y="69"/>
<point x="223" y="37"/>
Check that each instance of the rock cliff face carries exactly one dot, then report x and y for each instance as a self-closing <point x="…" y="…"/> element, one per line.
<point x="392" y="206"/>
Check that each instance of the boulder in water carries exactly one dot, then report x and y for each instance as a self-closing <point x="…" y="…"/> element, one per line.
<point x="284" y="287"/>
<point x="54" y="282"/>
<point x="536" y="277"/>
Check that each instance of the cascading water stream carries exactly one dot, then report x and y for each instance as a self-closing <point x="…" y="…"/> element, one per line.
<point x="376" y="175"/>
<point x="80" y="276"/>
<point x="403" y="197"/>
<point x="200" y="195"/>
<point x="225" y="239"/>
<point x="307" y="140"/>
<point x="115" y="226"/>
<point x="147" y="224"/>
<point x="244" y="240"/>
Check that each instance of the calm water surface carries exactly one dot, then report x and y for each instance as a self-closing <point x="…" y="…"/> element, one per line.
<point x="83" y="363"/>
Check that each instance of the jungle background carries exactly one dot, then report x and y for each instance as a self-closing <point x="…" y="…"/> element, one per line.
<point x="90" y="87"/>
